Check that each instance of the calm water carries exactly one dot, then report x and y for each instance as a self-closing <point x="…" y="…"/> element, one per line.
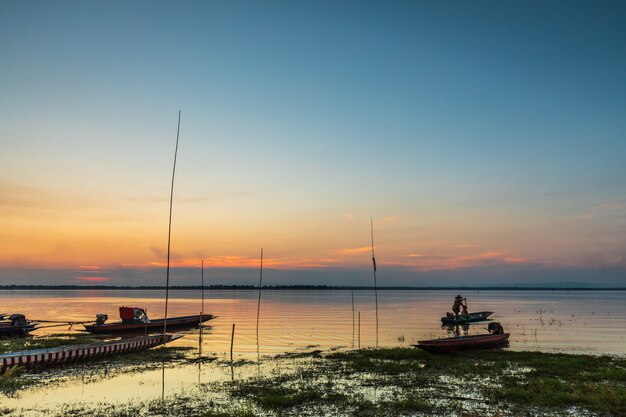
<point x="568" y="321"/>
<point x="551" y="321"/>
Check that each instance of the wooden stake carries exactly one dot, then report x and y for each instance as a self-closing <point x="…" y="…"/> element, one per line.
<point x="232" y="339"/>
<point x="352" y="292"/>
<point x="201" y="313"/>
<point x="359" y="330"/>
<point x="375" y="285"/>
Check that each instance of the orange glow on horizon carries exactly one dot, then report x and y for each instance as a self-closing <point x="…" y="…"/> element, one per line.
<point x="93" y="279"/>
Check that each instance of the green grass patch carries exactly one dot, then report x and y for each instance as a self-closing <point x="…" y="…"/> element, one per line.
<point x="277" y="397"/>
<point x="15" y="344"/>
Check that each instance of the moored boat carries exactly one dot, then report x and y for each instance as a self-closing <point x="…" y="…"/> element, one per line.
<point x="16" y="325"/>
<point x="451" y="344"/>
<point x="135" y="319"/>
<point x="67" y="353"/>
<point x="470" y="318"/>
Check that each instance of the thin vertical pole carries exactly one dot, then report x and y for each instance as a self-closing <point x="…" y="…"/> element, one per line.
<point x="201" y="313"/>
<point x="258" y="309"/>
<point x="202" y="286"/>
<point x="352" y="293"/>
<point x="359" y="330"/>
<point x="169" y="230"/>
<point x="375" y="284"/>
<point x="232" y="339"/>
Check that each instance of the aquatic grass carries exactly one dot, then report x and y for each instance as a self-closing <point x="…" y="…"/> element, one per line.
<point x="15" y="344"/>
<point x="12" y="380"/>
<point x="169" y="407"/>
<point x="400" y="381"/>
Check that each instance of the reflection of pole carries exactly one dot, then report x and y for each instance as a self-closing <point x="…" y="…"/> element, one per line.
<point x="352" y="292"/>
<point x="163" y="381"/>
<point x="375" y="286"/>
<point x="359" y="330"/>
<point x="232" y="339"/>
<point x="258" y="308"/>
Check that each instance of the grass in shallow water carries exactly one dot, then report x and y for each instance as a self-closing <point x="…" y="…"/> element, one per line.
<point x="391" y="382"/>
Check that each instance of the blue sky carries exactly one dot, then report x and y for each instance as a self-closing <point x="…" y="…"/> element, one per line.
<point x="495" y="125"/>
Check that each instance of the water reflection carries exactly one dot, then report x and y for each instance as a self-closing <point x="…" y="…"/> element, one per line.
<point x="295" y="321"/>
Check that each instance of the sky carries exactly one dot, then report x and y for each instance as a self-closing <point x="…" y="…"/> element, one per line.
<point x="486" y="141"/>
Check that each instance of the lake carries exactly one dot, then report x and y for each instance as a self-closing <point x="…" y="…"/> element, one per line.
<point x="296" y="320"/>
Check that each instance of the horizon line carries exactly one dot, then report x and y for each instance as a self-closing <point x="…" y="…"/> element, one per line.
<point x="301" y="287"/>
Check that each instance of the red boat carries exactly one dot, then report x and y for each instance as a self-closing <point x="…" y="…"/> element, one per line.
<point x="136" y="320"/>
<point x="450" y="344"/>
<point x="59" y="354"/>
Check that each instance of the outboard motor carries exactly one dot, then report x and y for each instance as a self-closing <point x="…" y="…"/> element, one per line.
<point x="18" y="320"/>
<point x="101" y="318"/>
<point x="495" y="328"/>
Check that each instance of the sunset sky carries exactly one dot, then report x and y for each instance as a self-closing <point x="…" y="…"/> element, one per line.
<point x="487" y="140"/>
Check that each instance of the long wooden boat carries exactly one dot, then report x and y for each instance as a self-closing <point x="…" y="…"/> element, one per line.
<point x="151" y="327"/>
<point x="472" y="317"/>
<point x="84" y="351"/>
<point x="8" y="329"/>
<point x="451" y="344"/>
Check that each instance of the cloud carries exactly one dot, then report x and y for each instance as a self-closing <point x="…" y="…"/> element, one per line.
<point x="464" y="246"/>
<point x="598" y="209"/>
<point x="388" y="219"/>
<point x="93" y="279"/>
<point x="432" y="262"/>
<point x="501" y="274"/>
<point x="233" y="261"/>
<point x="352" y="251"/>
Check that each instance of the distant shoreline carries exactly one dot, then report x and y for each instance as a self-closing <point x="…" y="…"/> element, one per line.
<point x="302" y="287"/>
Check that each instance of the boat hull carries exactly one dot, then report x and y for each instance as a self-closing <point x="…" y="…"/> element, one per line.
<point x="85" y="351"/>
<point x="6" y="329"/>
<point x="473" y="317"/>
<point x="154" y="326"/>
<point x="452" y="344"/>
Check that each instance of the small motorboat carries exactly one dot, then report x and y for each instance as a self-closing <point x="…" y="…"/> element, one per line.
<point x="135" y="319"/>
<point x="495" y="338"/>
<point x="16" y="325"/>
<point x="83" y="351"/>
<point x="470" y="318"/>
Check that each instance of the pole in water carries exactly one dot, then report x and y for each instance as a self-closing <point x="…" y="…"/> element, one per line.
<point x="169" y="230"/>
<point x="201" y="313"/>
<point x="232" y="339"/>
<point x="352" y="293"/>
<point x="375" y="285"/>
<point x="258" y="309"/>
<point x="359" y="330"/>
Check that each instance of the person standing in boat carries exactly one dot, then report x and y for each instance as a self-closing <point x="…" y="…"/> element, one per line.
<point x="456" y="307"/>
<point x="464" y="313"/>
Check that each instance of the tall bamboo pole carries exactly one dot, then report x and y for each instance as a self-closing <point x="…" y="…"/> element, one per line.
<point x="375" y="284"/>
<point x="169" y="230"/>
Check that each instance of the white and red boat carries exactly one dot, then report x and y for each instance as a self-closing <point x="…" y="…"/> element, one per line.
<point x="68" y="353"/>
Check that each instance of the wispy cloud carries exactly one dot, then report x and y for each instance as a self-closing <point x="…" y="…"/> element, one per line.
<point x="598" y="209"/>
<point x="352" y="251"/>
<point x="430" y="262"/>
<point x="464" y="246"/>
<point x="233" y="261"/>
<point x="93" y="279"/>
<point x="388" y="219"/>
